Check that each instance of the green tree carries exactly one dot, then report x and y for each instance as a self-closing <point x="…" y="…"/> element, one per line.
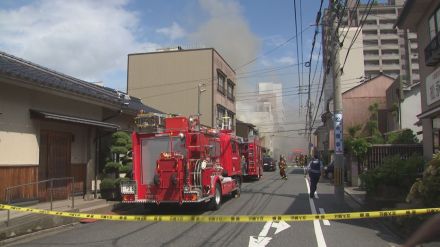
<point x="119" y="161"/>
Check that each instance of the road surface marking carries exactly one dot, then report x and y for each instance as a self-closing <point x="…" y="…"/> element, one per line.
<point x="262" y="240"/>
<point x="258" y="241"/>
<point x="318" y="231"/>
<point x="326" y="222"/>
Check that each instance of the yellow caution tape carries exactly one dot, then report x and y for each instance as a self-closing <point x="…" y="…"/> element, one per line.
<point x="230" y="218"/>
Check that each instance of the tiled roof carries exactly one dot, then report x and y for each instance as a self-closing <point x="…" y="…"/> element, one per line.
<point x="40" y="76"/>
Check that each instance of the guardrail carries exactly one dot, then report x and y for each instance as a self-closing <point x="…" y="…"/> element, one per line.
<point x="41" y="187"/>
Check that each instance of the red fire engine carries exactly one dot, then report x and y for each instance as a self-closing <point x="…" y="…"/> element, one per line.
<point x="176" y="160"/>
<point x="251" y="150"/>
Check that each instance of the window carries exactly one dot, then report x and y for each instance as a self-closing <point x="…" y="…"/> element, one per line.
<point x="434" y="23"/>
<point x="221" y="82"/>
<point x="369" y="32"/>
<point x="370" y="42"/>
<point x="221" y="111"/>
<point x="389" y="41"/>
<point x="371" y="53"/>
<point x="390" y="52"/>
<point x="387" y="21"/>
<point x="390" y="62"/>
<point x="373" y="62"/>
<point x="388" y="31"/>
<point x="230" y="90"/>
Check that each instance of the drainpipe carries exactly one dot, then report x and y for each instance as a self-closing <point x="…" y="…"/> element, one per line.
<point x="98" y="145"/>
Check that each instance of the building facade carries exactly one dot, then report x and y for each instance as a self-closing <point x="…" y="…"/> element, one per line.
<point x="423" y="17"/>
<point x="356" y="103"/>
<point x="183" y="81"/>
<point x="403" y="104"/>
<point x="52" y="125"/>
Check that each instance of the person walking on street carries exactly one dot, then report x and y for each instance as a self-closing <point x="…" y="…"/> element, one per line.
<point x="282" y="165"/>
<point x="315" y="169"/>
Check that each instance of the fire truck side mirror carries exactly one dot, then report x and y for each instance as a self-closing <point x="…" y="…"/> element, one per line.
<point x="182" y="137"/>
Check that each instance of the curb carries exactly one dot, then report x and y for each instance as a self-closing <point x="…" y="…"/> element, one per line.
<point x="38" y="225"/>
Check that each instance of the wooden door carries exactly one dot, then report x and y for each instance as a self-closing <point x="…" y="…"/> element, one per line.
<point x="54" y="163"/>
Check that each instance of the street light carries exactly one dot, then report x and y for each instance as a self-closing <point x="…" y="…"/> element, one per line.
<point x="200" y="90"/>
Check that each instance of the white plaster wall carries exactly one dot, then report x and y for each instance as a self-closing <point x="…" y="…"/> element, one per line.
<point x="411" y="107"/>
<point x="19" y="134"/>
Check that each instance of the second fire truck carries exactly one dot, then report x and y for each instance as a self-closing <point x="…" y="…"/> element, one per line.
<point x="252" y="153"/>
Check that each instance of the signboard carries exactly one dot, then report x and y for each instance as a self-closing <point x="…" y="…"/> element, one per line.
<point x="433" y="87"/>
<point x="339" y="137"/>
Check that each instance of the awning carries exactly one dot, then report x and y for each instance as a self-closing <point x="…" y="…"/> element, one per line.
<point x="70" y="119"/>
<point x="429" y="113"/>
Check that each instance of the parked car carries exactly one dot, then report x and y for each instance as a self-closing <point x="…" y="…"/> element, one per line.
<point x="269" y="164"/>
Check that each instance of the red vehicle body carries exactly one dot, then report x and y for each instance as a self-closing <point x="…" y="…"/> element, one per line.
<point x="252" y="152"/>
<point x="182" y="162"/>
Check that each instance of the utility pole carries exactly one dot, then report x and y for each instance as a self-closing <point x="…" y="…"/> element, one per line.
<point x="310" y="128"/>
<point x="337" y="108"/>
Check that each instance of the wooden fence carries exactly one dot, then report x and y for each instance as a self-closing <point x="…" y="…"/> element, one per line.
<point x="378" y="153"/>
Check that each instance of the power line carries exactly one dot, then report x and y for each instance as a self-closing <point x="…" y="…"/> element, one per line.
<point x="297" y="53"/>
<point x="318" y="18"/>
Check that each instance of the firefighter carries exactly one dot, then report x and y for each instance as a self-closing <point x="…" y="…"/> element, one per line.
<point x="243" y="165"/>
<point x="282" y="165"/>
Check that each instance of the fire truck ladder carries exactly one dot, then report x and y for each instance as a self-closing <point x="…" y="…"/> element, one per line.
<point x="251" y="157"/>
<point x="194" y="146"/>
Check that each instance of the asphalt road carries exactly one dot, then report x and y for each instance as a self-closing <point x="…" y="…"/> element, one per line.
<point x="270" y="195"/>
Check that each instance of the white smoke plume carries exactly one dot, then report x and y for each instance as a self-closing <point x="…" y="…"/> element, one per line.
<point x="227" y="31"/>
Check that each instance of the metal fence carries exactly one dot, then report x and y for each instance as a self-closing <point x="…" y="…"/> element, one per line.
<point x="378" y="153"/>
<point x="49" y="190"/>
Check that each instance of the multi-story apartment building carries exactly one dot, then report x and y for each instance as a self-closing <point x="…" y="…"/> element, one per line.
<point x="423" y="17"/>
<point x="184" y="81"/>
<point x="385" y="49"/>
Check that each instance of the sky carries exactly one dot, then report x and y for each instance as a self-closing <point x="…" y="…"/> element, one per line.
<point x="90" y="39"/>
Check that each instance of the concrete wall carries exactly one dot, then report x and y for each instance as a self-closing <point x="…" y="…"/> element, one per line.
<point x="168" y="81"/>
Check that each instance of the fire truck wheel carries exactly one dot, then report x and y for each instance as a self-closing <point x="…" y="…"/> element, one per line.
<point x="216" y="201"/>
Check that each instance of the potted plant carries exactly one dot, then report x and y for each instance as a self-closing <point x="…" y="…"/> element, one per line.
<point x="108" y="189"/>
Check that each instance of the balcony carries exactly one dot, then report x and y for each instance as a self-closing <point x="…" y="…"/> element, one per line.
<point x="432" y="51"/>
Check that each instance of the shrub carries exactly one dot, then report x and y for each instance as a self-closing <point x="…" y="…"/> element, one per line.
<point x="403" y="137"/>
<point x="124" y="169"/>
<point x="112" y="167"/>
<point x="119" y="149"/>
<point x="394" y="172"/>
<point x="107" y="184"/>
<point x="428" y="187"/>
